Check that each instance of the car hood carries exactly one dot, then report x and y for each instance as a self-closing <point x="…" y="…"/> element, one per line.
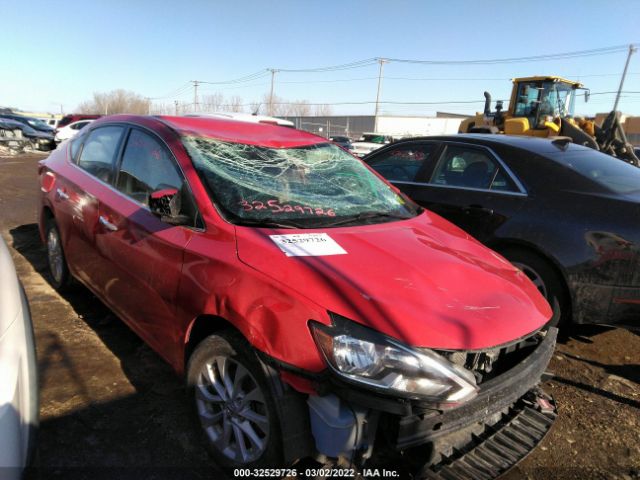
<point x="422" y="281"/>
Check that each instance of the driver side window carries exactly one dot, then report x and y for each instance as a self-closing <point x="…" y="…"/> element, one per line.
<point x="402" y="163"/>
<point x="146" y="167"/>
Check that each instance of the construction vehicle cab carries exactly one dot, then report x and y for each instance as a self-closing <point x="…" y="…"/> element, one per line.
<point x="543" y="106"/>
<point x="538" y="98"/>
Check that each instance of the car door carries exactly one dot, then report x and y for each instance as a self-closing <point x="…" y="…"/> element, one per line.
<point x="402" y="164"/>
<point x="76" y="200"/>
<point x="471" y="187"/>
<point x="144" y="255"/>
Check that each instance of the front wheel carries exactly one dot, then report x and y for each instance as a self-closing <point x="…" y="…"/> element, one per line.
<point x="234" y="404"/>
<point x="546" y="280"/>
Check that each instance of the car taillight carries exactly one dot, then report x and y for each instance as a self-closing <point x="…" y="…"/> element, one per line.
<point x="47" y="182"/>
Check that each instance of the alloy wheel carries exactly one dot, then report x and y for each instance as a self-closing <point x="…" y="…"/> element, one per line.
<point x="534" y="276"/>
<point x="232" y="410"/>
<point x="54" y="254"/>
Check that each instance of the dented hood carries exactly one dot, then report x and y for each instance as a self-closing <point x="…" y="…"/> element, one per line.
<point x="422" y="281"/>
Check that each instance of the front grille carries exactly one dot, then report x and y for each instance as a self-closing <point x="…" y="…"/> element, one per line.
<point x="488" y="363"/>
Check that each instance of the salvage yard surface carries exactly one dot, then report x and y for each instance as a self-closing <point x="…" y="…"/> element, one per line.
<point x="111" y="408"/>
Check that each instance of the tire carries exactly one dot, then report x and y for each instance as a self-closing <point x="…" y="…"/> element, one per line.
<point x="61" y="278"/>
<point x="231" y="414"/>
<point x="545" y="278"/>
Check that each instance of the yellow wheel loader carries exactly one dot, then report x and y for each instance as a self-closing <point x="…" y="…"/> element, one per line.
<point x="543" y="107"/>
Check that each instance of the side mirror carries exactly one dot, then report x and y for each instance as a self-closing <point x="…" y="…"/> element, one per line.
<point x="166" y="205"/>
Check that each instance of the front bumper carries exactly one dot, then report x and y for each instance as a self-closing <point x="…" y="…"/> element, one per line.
<point x="495" y="449"/>
<point x="495" y="395"/>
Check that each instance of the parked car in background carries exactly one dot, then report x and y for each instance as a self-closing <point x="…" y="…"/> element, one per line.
<point x="36" y="139"/>
<point x="246" y="117"/>
<point x="34" y="123"/>
<point x="18" y="373"/>
<point x="342" y="141"/>
<point x="11" y="136"/>
<point x="70" y="131"/>
<point x="74" y="117"/>
<point x="565" y="214"/>
<point x="370" y="142"/>
<point x="313" y="309"/>
<point x="52" y="122"/>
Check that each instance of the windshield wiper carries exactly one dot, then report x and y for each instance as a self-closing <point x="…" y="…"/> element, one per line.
<point x="267" y="222"/>
<point x="366" y="216"/>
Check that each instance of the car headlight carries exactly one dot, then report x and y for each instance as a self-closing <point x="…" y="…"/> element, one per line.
<point x="361" y="355"/>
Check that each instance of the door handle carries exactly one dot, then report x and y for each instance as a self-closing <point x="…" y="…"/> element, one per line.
<point x="107" y="224"/>
<point x="62" y="195"/>
<point x="477" y="209"/>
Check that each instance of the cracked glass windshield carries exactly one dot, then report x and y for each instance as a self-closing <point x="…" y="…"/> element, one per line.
<point x="304" y="187"/>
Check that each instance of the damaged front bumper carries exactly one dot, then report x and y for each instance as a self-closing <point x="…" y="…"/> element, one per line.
<point x="479" y="439"/>
<point x="494" y="447"/>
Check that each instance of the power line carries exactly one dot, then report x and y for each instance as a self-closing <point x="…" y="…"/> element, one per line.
<point x="176" y="92"/>
<point x="332" y="68"/>
<point x="533" y="58"/>
<point x="246" y="78"/>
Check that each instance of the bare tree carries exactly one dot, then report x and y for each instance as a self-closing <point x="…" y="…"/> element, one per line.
<point x="235" y="105"/>
<point x="212" y="102"/>
<point x="274" y="106"/>
<point x="116" y="101"/>
<point x="299" y="108"/>
<point x="323" y="110"/>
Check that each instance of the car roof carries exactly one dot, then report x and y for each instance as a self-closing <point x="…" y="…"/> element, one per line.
<point x="260" y="134"/>
<point x="532" y="144"/>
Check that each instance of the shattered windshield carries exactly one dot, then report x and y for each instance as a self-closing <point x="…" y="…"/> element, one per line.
<point x="304" y="187"/>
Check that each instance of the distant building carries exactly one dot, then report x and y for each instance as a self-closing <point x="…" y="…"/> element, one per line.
<point x="354" y="126"/>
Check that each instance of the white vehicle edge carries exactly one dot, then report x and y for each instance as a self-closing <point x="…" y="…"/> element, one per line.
<point x="71" y="130"/>
<point x="19" y="401"/>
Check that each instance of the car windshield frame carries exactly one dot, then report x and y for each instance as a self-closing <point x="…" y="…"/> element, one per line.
<point x="312" y="186"/>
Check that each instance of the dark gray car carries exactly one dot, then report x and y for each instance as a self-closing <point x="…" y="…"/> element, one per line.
<point x="567" y="215"/>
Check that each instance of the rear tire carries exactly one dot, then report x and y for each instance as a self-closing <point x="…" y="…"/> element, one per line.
<point x="61" y="278"/>
<point x="546" y="280"/>
<point x="234" y="405"/>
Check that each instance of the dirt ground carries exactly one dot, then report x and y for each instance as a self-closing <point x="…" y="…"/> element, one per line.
<point x="111" y="408"/>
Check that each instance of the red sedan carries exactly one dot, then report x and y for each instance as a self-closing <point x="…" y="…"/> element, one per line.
<point x="312" y="307"/>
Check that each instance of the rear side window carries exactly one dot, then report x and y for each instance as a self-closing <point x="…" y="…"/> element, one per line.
<point x="99" y="151"/>
<point x="611" y="173"/>
<point x="401" y="163"/>
<point x="468" y="167"/>
<point x="146" y="167"/>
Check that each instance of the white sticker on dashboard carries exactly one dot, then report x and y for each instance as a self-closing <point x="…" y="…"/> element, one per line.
<point x="307" y="245"/>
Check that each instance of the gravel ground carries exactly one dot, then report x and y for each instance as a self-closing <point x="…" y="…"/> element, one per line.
<point x="111" y="408"/>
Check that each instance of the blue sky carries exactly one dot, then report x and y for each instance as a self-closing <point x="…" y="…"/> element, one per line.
<point x="60" y="52"/>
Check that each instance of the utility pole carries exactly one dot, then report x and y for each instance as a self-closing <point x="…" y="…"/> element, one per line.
<point x="632" y="49"/>
<point x="273" y="76"/>
<point x="175" y="102"/>
<point x="195" y="95"/>
<point x="381" y="61"/>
